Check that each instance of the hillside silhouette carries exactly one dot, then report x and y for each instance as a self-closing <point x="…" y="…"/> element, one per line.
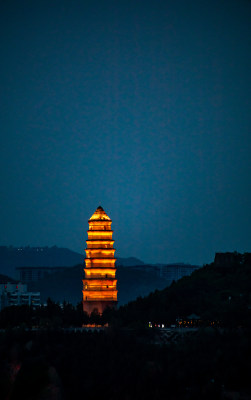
<point x="214" y="293"/>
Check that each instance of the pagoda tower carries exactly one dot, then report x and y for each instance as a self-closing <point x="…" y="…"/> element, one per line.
<point x="99" y="285"/>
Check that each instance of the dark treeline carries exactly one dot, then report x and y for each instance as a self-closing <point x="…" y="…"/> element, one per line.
<point x="51" y="315"/>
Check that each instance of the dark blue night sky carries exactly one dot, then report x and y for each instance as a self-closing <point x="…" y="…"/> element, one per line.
<point x="141" y="107"/>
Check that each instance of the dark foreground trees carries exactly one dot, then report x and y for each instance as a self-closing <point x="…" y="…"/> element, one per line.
<point x="123" y="365"/>
<point x="125" y="361"/>
<point x="51" y="315"/>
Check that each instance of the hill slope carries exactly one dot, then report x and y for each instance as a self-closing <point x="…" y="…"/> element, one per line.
<point x="211" y="292"/>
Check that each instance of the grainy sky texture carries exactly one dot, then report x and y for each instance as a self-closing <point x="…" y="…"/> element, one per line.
<point x="141" y="107"/>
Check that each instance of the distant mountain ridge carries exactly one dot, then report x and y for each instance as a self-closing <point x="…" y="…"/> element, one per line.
<point x="5" y="279"/>
<point x="129" y="262"/>
<point x="13" y="257"/>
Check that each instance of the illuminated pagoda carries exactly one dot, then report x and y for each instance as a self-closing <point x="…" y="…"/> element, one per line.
<point x="99" y="285"/>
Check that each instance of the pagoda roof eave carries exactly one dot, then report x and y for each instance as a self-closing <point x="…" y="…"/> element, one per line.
<point x="101" y="258"/>
<point x="100" y="267"/>
<point x="99" y="220"/>
<point x="99" y="248"/>
<point x="99" y="230"/>
<point x="91" y="278"/>
<point x="98" y="240"/>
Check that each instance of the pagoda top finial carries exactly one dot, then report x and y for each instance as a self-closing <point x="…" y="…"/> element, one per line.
<point x="100" y="214"/>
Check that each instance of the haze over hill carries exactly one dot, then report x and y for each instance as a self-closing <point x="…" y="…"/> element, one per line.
<point x="13" y="257"/>
<point x="135" y="278"/>
<point x="67" y="285"/>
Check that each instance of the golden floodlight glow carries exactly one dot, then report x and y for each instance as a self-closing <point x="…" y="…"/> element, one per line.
<point x="107" y="235"/>
<point x="106" y="244"/>
<point x="99" y="285"/>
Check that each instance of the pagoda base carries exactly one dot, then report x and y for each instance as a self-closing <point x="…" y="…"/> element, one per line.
<point x="99" y="306"/>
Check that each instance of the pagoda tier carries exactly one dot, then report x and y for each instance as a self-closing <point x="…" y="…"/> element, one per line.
<point x="101" y="243"/>
<point x="99" y="253"/>
<point x="100" y="263"/>
<point x="99" y="285"/>
<point x="98" y="235"/>
<point x="93" y="273"/>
